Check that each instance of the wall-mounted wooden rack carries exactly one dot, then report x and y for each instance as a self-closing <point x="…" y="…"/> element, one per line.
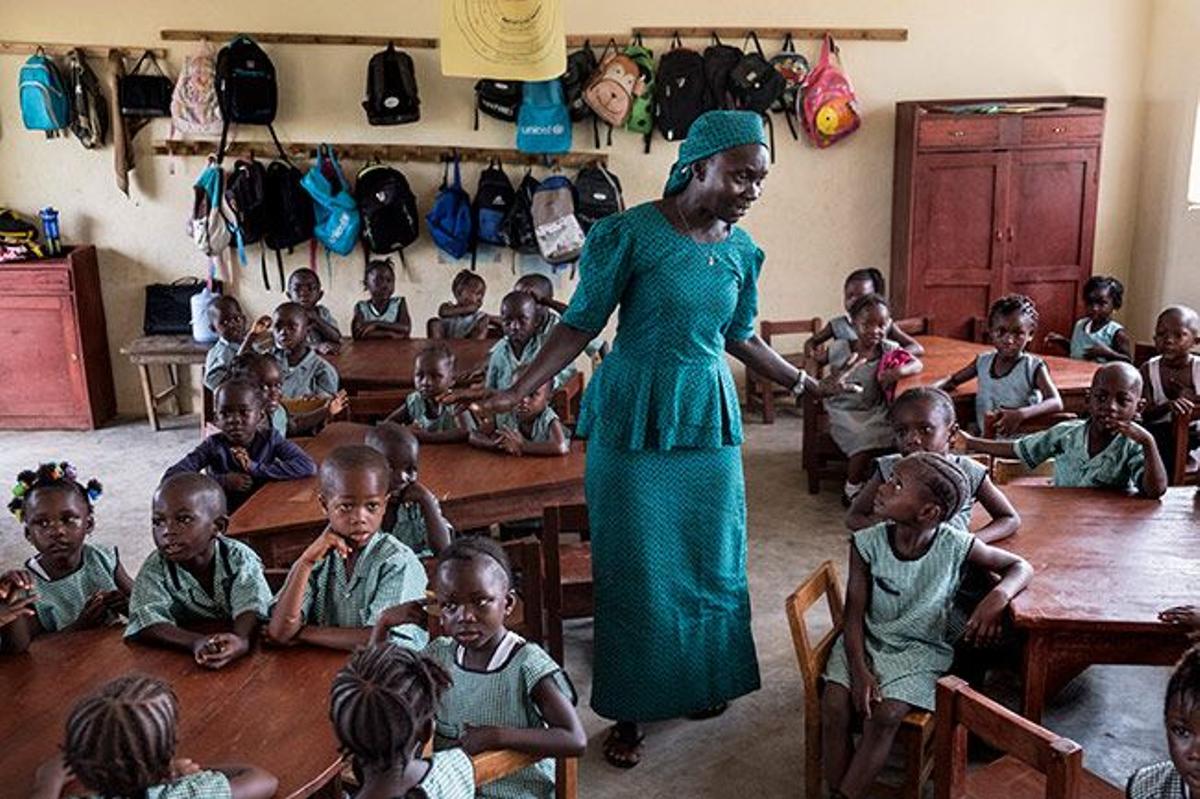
<point x="433" y="153"/>
<point x="863" y="34"/>
<point x="89" y="50"/>
<point x="415" y="42"/>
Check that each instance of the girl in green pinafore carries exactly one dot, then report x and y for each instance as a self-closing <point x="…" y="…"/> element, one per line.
<point x="665" y="491"/>
<point x="896" y="641"/>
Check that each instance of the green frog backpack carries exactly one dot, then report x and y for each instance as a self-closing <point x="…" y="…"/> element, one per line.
<point x="641" y="112"/>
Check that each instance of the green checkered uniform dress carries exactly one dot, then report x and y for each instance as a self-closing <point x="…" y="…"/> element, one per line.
<point x="1159" y="781"/>
<point x="165" y="593"/>
<point x="451" y="775"/>
<point x="417" y="408"/>
<point x="1120" y="465"/>
<point x="312" y="376"/>
<point x="411" y="530"/>
<point x="201" y="785"/>
<point x="541" y="425"/>
<point x="503" y="363"/>
<point x="59" y="602"/>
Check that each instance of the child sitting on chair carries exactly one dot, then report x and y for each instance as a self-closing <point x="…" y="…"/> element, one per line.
<point x="384" y="315"/>
<point x="1179" y="776"/>
<point x="532" y="428"/>
<point x="550" y="310"/>
<point x="197" y="574"/>
<point x="858" y="284"/>
<point x="432" y="421"/>
<point x="465" y="317"/>
<point x="1107" y="450"/>
<point x="414" y="517"/>
<point x="1171" y="379"/>
<point x="305" y="373"/>
<point x="520" y="345"/>
<point x="1097" y="336"/>
<point x="304" y="289"/>
<point x="226" y="317"/>
<point x="350" y="573"/>
<point x="264" y="369"/>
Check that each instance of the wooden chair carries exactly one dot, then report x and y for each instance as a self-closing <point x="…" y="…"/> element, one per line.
<point x="492" y="766"/>
<point x="1142" y="352"/>
<point x="567" y="568"/>
<point x="1038" y="764"/>
<point x="1181" y="427"/>
<point x="915" y="325"/>
<point x="567" y="399"/>
<point x="916" y="730"/>
<point x="759" y="390"/>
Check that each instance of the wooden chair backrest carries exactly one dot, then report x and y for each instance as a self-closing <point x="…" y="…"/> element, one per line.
<point x="795" y="327"/>
<point x="1181" y="427"/>
<point x="556" y="520"/>
<point x="915" y="325"/>
<point x="961" y="709"/>
<point x="493" y="766"/>
<point x="810" y="656"/>
<point x="1142" y="352"/>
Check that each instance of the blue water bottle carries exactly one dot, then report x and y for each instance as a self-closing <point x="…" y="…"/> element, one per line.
<point x="50" y="229"/>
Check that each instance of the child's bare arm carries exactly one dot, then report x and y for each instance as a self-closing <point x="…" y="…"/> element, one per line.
<point x="819" y="338"/>
<point x="988" y="446"/>
<point x="122" y="579"/>
<point x="449" y="310"/>
<point x="906" y="342"/>
<point x="261" y="326"/>
<point x="287" y="618"/>
<point x="347" y="638"/>
<point x="967" y="373"/>
<point x="436" y="527"/>
<point x="51" y="778"/>
<point x="862" y="510"/>
<point x="563" y="737"/>
<point x="171" y="635"/>
<point x="864" y="686"/>
<point x="248" y="782"/>
<point x="984" y="626"/>
<point x="557" y="445"/>
<point x="1154" y="477"/>
<point x="1005" y="520"/>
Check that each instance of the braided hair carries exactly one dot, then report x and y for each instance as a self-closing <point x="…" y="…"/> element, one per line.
<point x="121" y="739"/>
<point x="60" y="475"/>
<point x="381" y="701"/>
<point x="1011" y="304"/>
<point x="945" y="483"/>
<point x="1184" y="684"/>
<point x="868" y="301"/>
<point x="468" y="548"/>
<point x="933" y="396"/>
<point x="878" y="284"/>
<point x="1098" y="283"/>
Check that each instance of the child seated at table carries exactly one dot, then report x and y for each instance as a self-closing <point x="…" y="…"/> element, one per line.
<point x="226" y="317"/>
<point x="898" y="637"/>
<point x="465" y="317"/>
<point x="858" y="418"/>
<point x="1177" y="777"/>
<point x="382" y="707"/>
<point x="858" y="284"/>
<point x="264" y="369"/>
<point x="531" y="428"/>
<point x="432" y="421"/>
<point x="414" y="516"/>
<point x="304" y="289"/>
<point x="121" y="742"/>
<point x="1171" y="379"/>
<point x="1107" y="450"/>
<point x="1097" y="336"/>
<point x="384" y="315"/>
<point x="245" y="454"/>
<point x="520" y="345"/>
<point x="550" y="310"/>
<point x="305" y="373"/>
<point x="1013" y="385"/>
<point x="71" y="584"/>
<point x="505" y="693"/>
<point x="350" y="573"/>
<point x="196" y="575"/>
<point x="923" y="420"/>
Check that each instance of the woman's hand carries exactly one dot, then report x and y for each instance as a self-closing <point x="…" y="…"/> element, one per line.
<point x="493" y="403"/>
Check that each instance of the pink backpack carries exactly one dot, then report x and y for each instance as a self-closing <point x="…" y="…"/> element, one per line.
<point x="194" y="109"/>
<point x="827" y="105"/>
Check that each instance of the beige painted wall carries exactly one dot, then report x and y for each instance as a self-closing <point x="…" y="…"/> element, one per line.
<point x="823" y="214"/>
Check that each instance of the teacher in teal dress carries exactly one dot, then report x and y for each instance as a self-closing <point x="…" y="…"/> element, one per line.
<point x="664" y="484"/>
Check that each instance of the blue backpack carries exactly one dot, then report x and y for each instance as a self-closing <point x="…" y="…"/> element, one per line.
<point x="450" y="222"/>
<point x="337" y="219"/>
<point x="544" y="122"/>
<point x="45" y="104"/>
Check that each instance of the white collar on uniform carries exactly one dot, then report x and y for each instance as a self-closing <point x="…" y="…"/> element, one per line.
<point x="503" y="651"/>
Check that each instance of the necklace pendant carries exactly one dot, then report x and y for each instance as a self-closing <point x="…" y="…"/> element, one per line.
<point x="711" y="260"/>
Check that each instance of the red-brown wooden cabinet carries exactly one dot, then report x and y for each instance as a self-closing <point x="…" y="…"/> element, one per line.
<point x="986" y="205"/>
<point x="55" y="370"/>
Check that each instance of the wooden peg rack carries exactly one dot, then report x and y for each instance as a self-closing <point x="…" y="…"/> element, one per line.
<point x="433" y="153"/>
<point x="89" y="50"/>
<point x="415" y="42"/>
<point x="861" y="34"/>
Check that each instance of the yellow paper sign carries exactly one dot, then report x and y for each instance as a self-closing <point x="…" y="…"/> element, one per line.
<point x="509" y="39"/>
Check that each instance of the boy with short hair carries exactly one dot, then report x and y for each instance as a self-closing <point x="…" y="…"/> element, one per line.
<point x="226" y="317"/>
<point x="304" y="289"/>
<point x="520" y="345"/>
<point x="305" y="373"/>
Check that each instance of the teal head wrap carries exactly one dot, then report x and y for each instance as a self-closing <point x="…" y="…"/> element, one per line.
<point x="711" y="133"/>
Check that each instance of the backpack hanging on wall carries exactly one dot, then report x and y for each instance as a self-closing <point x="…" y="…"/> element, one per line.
<point x="828" y="107"/>
<point x="719" y="62"/>
<point x="194" y="107"/>
<point x="610" y="92"/>
<point x="89" y="109"/>
<point x="793" y="67"/>
<point x="388" y="208"/>
<point x="289" y="211"/>
<point x="145" y="93"/>
<point x="450" y="218"/>
<point x="543" y="123"/>
<point x="209" y="224"/>
<point x="559" y="235"/>
<point x="246" y="196"/>
<point x="391" y="97"/>
<point x="45" y="104"/>
<point x="756" y="86"/>
<point x="337" y="219"/>
<point x="580" y="66"/>
<point x="598" y="194"/>
<point x="518" y="225"/>
<point x="493" y="201"/>
<point x="641" y="112"/>
<point x="247" y="92"/>
<point x="680" y="94"/>
<point x="499" y="99"/>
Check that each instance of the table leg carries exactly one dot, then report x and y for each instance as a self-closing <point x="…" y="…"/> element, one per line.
<point x="173" y="376"/>
<point x="1037" y="666"/>
<point x="148" y="396"/>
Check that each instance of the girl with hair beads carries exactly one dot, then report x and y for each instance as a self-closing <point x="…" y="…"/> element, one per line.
<point x="1178" y="777"/>
<point x="859" y="284"/>
<point x="465" y="317"/>
<point x="1013" y="385"/>
<point x="1097" y="336"/>
<point x="74" y="584"/>
<point x="384" y="315"/>
<point x="858" y="419"/>
<point x="382" y="706"/>
<point x="896" y="641"/>
<point x="121" y="742"/>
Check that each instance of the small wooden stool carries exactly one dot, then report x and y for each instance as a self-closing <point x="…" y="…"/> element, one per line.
<point x="170" y="352"/>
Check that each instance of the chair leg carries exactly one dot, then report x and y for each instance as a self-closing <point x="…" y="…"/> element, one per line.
<point x="812" y="757"/>
<point x="814" y="481"/>
<point x="768" y="402"/>
<point x="914" y="762"/>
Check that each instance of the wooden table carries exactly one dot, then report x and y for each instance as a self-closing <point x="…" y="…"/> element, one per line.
<point x="170" y="352"/>
<point x="1104" y="565"/>
<point x="376" y="364"/>
<point x="475" y="487"/>
<point x="270" y="708"/>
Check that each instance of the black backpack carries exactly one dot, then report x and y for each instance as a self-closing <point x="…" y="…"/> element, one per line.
<point x="388" y="208"/>
<point x="246" y="196"/>
<point x="754" y="83"/>
<point x="719" y="61"/>
<point x="493" y="201"/>
<point x="391" y="97"/>
<point x="246" y="88"/>
<point x="518" y="227"/>
<point x="680" y="93"/>
<point x="290" y="216"/>
<point x="598" y="195"/>
<point x="500" y="99"/>
<point x="89" y="109"/>
<point x="580" y="66"/>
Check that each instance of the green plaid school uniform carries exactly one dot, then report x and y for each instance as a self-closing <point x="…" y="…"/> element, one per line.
<point x="165" y="593"/>
<point x="451" y="775"/>
<point x="411" y="529"/>
<point x="503" y="363"/>
<point x="460" y="326"/>
<point x="418" y="410"/>
<point x="1159" y="781"/>
<point x="313" y="375"/>
<point x="907" y="636"/>
<point x="279" y="420"/>
<point x="973" y="469"/>
<point x="201" y="785"/>
<point x="541" y="425"/>
<point x="59" y="602"/>
<point x="326" y="316"/>
<point x="216" y="362"/>
<point x="551" y="317"/>
<point x="501" y="696"/>
<point x="389" y="315"/>
<point x="386" y="573"/>
<point x="1119" y="465"/>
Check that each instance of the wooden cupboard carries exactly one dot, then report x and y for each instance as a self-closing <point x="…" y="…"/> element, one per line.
<point x="55" y="370"/>
<point x="990" y="204"/>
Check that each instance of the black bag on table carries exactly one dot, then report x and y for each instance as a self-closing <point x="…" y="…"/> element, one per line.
<point x="169" y="306"/>
<point x="144" y="94"/>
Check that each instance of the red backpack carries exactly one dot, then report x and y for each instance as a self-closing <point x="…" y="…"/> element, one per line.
<point x="828" y="105"/>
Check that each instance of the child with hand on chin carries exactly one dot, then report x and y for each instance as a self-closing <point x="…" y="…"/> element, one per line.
<point x="414" y="516"/>
<point x="305" y="373"/>
<point x="339" y="586"/>
<point x="226" y="317"/>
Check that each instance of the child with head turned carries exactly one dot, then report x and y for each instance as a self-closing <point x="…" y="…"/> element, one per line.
<point x="197" y="575"/>
<point x="246" y="453"/>
<point x="71" y="583"/>
<point x="520" y="345"/>
<point x="431" y="420"/>
<point x="531" y="428"/>
<point x="382" y="706"/>
<point x="1180" y="775"/>
<point x="226" y="317"/>
<point x="897" y="640"/>
<point x="121" y="741"/>
<point x="506" y="693"/>
<point x="414" y="516"/>
<point x="1109" y="449"/>
<point x="465" y="317"/>
<point x="550" y="310"/>
<point x="304" y="289"/>
<point x="1171" y="382"/>
<point x="384" y="315"/>
<point x="305" y="373"/>
<point x="342" y="582"/>
<point x="264" y="370"/>
<point x="857" y="285"/>
<point x="1097" y="336"/>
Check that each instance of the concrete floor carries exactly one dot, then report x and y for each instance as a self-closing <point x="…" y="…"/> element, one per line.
<point x="756" y="748"/>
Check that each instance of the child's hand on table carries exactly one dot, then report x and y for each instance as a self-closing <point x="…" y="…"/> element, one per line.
<point x="984" y="628"/>
<point x="52" y="776"/>
<point x="220" y="649"/>
<point x="14" y="609"/>
<point x="1008" y="420"/>
<point x="478" y="739"/>
<point x="328" y="348"/>
<point x="95" y="609"/>
<point x="510" y="441"/>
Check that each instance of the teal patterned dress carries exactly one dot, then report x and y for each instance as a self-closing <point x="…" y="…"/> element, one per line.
<point x="665" y="490"/>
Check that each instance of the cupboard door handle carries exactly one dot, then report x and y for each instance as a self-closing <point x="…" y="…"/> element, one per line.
<point x="1009" y="233"/>
<point x="958" y="134"/>
<point x="999" y="234"/>
<point x="1058" y="129"/>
